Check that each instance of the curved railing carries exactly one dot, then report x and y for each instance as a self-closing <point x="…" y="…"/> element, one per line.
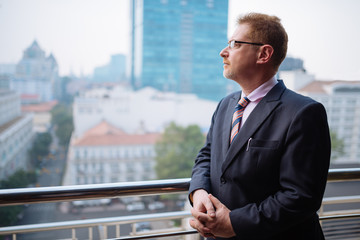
<point x="20" y="196"/>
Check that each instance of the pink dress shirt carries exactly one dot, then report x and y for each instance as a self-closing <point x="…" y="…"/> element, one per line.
<point x="256" y="96"/>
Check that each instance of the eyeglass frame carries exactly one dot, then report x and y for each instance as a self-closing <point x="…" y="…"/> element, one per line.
<point x="232" y="42"/>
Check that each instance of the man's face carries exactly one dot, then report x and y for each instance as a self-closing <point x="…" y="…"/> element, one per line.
<point x="239" y="61"/>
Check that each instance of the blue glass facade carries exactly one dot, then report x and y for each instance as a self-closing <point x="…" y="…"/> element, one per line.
<point x="176" y="45"/>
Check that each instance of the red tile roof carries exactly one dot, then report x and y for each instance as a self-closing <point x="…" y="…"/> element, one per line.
<point x="114" y="140"/>
<point x="41" y="107"/>
<point x="319" y="86"/>
<point x="30" y="96"/>
<point x="105" y="134"/>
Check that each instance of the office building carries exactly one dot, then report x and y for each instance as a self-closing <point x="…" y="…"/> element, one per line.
<point x="5" y="82"/>
<point x="342" y="102"/>
<point x="114" y="71"/>
<point x="176" y="45"/>
<point x="293" y="73"/>
<point x="291" y="64"/>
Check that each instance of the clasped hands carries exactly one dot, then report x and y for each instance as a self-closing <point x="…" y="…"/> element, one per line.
<point x="211" y="217"/>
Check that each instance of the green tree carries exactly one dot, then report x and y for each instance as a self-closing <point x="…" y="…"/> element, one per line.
<point x="337" y="146"/>
<point x="176" y="151"/>
<point x="63" y="120"/>
<point x="20" y="179"/>
<point x="40" y="148"/>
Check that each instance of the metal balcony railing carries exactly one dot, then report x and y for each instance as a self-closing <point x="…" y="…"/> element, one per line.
<point x="21" y="196"/>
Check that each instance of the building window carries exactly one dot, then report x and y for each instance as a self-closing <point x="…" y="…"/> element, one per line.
<point x="130" y="167"/>
<point x="130" y="178"/>
<point x="115" y="168"/>
<point x="146" y="166"/>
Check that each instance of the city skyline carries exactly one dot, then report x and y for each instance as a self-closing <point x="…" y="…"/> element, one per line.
<point x="82" y="36"/>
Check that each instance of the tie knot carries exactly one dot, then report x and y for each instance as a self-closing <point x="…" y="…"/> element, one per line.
<point x="243" y="102"/>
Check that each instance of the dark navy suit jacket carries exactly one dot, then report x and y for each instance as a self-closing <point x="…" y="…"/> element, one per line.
<point x="273" y="175"/>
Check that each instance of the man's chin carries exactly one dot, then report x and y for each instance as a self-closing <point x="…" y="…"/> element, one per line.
<point x="228" y="75"/>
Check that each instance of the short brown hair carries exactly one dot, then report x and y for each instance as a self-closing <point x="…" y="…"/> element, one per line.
<point x="268" y="30"/>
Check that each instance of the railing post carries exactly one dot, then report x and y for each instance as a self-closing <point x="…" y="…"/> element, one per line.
<point x="117" y="230"/>
<point x="105" y="231"/>
<point x="73" y="234"/>
<point x="133" y="227"/>
<point x="90" y="233"/>
<point x="321" y="212"/>
<point x="14" y="236"/>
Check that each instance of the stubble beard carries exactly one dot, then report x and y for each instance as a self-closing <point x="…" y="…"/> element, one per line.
<point x="229" y="74"/>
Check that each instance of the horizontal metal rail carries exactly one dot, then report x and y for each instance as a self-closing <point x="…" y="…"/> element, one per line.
<point x="91" y="191"/>
<point x="337" y="217"/>
<point x="341" y="199"/>
<point x="157" y="235"/>
<point x="111" y="190"/>
<point x="343" y="174"/>
<point x="125" y="220"/>
<point x="93" y="222"/>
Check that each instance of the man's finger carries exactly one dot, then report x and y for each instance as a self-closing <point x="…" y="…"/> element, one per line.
<point x="209" y="208"/>
<point x="215" y="201"/>
<point x="200" y="227"/>
<point x="202" y="217"/>
<point x="192" y="223"/>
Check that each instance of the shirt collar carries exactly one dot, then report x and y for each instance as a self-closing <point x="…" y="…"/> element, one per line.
<point x="261" y="91"/>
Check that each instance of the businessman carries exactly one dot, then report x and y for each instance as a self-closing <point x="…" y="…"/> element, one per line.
<point x="263" y="169"/>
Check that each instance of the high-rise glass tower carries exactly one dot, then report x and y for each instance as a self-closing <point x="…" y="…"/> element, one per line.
<point x="176" y="45"/>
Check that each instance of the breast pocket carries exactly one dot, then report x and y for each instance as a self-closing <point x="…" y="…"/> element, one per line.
<point x="265" y="153"/>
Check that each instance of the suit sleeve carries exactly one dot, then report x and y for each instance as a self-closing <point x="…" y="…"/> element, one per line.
<point x="200" y="177"/>
<point x="303" y="174"/>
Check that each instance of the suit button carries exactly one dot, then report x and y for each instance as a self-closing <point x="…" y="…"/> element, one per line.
<point x="222" y="180"/>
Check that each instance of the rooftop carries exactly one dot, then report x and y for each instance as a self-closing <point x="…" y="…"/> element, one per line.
<point x="105" y="134"/>
<point x="322" y="86"/>
<point x="41" y="107"/>
<point x="7" y="125"/>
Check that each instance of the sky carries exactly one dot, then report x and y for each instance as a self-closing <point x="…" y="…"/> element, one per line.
<point x="83" y="34"/>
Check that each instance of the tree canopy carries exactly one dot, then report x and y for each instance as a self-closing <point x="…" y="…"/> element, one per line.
<point x="20" y="179"/>
<point x="63" y="120"/>
<point x="40" y="147"/>
<point x="176" y="151"/>
<point x="337" y="146"/>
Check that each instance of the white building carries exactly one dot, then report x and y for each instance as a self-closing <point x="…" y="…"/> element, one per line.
<point x="296" y="79"/>
<point x="41" y="115"/>
<point x="15" y="134"/>
<point x="35" y="74"/>
<point x="107" y="154"/>
<point x="342" y="102"/>
<point x="147" y="109"/>
<point x="115" y="131"/>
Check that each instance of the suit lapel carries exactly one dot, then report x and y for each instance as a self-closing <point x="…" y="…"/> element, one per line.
<point x="261" y="112"/>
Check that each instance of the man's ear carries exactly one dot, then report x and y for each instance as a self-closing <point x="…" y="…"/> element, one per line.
<point x="265" y="53"/>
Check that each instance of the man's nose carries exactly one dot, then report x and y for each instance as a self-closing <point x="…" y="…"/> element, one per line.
<point x="224" y="53"/>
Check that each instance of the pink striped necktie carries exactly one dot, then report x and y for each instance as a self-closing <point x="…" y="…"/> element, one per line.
<point x="236" y="120"/>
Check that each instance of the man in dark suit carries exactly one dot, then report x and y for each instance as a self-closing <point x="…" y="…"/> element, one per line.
<point x="263" y="170"/>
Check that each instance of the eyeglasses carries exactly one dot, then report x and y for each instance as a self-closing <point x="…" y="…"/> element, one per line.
<point x="232" y="43"/>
